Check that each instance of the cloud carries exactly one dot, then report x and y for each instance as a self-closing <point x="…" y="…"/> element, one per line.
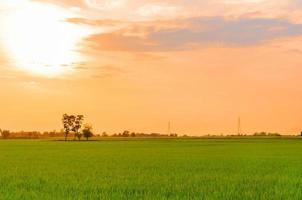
<point x="295" y="51"/>
<point x="158" y="10"/>
<point x="238" y="32"/>
<point x="193" y="32"/>
<point x="64" y="3"/>
<point x="118" y="42"/>
<point x="108" y="71"/>
<point x="169" y="9"/>
<point x="101" y="22"/>
<point x="105" y="4"/>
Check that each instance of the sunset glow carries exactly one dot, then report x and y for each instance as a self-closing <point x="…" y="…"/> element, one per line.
<point x="129" y="64"/>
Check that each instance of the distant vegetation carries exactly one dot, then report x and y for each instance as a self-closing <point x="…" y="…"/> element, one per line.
<point x="266" y="134"/>
<point x="88" y="133"/>
<point x="5" y="133"/>
<point x="73" y="128"/>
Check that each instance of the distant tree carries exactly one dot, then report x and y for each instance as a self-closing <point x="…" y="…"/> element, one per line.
<point x="132" y="134"/>
<point x="175" y="135"/>
<point x="126" y="134"/>
<point x="104" y="134"/>
<point x="68" y="124"/>
<point x="274" y="134"/>
<point x="87" y="131"/>
<point x="5" y="134"/>
<point x="77" y="126"/>
<point x="260" y="134"/>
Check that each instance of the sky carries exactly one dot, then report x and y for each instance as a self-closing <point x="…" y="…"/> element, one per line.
<point x="136" y="65"/>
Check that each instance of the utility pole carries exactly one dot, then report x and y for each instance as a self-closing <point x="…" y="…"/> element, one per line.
<point x="239" y="126"/>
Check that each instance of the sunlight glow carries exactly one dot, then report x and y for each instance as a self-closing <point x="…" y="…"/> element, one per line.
<point x="39" y="41"/>
<point x="9" y="3"/>
<point x="104" y="4"/>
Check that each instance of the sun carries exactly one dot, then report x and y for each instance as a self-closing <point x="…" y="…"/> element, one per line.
<point x="40" y="41"/>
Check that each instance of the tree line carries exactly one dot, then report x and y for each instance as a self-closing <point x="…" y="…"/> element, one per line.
<point x="6" y="134"/>
<point x="73" y="127"/>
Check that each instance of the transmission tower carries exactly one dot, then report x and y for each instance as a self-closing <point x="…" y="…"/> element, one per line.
<point x="239" y="126"/>
<point x="169" y="128"/>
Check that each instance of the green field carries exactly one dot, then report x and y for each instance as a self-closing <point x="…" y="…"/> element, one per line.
<point x="152" y="169"/>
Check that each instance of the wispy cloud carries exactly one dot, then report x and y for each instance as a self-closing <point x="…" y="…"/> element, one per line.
<point x="155" y="9"/>
<point x="193" y="32"/>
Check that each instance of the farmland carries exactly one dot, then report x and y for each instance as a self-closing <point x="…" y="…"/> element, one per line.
<point x="151" y="169"/>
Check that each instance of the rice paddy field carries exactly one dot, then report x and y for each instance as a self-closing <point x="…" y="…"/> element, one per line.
<point x="152" y="169"/>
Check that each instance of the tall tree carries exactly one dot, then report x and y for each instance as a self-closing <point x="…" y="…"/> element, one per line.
<point x="77" y="126"/>
<point x="68" y="124"/>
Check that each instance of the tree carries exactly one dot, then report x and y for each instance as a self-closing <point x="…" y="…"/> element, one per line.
<point x="87" y="131"/>
<point x="104" y="134"/>
<point x="72" y="123"/>
<point x="5" y="134"/>
<point x="77" y="126"/>
<point x="126" y="134"/>
<point x="68" y="124"/>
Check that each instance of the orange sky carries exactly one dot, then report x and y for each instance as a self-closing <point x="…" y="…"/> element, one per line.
<point x="128" y="64"/>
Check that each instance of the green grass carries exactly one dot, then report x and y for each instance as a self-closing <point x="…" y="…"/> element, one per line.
<point x="152" y="169"/>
